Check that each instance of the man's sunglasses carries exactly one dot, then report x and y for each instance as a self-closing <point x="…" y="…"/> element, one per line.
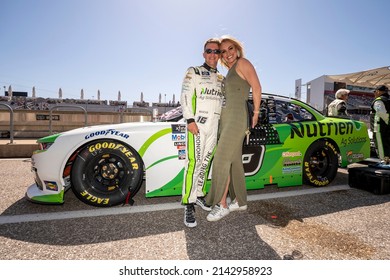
<point x="212" y="51"/>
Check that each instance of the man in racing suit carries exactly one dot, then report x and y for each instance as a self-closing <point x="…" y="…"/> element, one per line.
<point x="379" y="123"/>
<point x="201" y="100"/>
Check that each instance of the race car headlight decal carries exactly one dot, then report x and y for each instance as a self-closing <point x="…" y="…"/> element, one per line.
<point x="46" y="142"/>
<point x="45" y="146"/>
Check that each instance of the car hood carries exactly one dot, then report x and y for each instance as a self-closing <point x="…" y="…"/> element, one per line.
<point x="127" y="127"/>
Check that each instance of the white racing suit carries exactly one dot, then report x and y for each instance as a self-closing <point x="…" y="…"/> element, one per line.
<point x="201" y="101"/>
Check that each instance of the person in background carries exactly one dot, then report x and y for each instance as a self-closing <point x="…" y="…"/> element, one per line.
<point x="228" y="171"/>
<point x="379" y="123"/>
<point x="338" y="107"/>
<point x="201" y="100"/>
<point x="289" y="118"/>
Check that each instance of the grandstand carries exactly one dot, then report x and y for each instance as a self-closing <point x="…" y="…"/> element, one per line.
<point x="359" y="103"/>
<point x="29" y="117"/>
<point x="90" y="105"/>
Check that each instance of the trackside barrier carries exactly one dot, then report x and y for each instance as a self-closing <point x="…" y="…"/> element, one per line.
<point x="67" y="106"/>
<point x="11" y="122"/>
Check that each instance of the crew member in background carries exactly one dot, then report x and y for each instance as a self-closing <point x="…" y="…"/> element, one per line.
<point x="379" y="122"/>
<point x="338" y="107"/>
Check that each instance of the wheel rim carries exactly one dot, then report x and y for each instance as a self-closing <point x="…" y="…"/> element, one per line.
<point x="107" y="173"/>
<point x="319" y="162"/>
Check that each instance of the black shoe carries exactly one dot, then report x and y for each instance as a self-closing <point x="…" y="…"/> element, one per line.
<point x="189" y="215"/>
<point x="200" y="201"/>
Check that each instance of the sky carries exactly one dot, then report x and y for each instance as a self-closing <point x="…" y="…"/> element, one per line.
<point x="135" y="46"/>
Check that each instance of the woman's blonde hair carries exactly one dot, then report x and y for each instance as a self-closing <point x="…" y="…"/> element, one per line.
<point x="237" y="44"/>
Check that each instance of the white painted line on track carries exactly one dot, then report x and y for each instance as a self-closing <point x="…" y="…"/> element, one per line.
<point x="297" y="192"/>
<point x="17" y="159"/>
<point x="38" y="217"/>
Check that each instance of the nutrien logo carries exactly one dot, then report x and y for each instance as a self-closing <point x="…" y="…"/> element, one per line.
<point x="207" y="91"/>
<point x="320" y="129"/>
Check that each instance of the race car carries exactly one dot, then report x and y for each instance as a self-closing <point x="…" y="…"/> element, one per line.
<point x="106" y="165"/>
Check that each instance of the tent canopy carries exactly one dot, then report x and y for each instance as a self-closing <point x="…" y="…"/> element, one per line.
<point x="369" y="78"/>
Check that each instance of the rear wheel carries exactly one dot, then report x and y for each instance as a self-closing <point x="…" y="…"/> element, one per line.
<point x="320" y="163"/>
<point x="106" y="172"/>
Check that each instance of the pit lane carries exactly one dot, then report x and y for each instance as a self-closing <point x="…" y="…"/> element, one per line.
<point x="334" y="222"/>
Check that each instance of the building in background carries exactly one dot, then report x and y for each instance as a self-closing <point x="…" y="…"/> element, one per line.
<point x="321" y="91"/>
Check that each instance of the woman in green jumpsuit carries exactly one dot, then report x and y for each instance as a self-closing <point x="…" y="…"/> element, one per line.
<point x="228" y="171"/>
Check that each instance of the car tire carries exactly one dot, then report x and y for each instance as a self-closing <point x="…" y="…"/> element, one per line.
<point x="320" y="163"/>
<point x="106" y="173"/>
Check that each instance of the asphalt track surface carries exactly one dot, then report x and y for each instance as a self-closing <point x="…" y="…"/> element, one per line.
<point x="330" y="223"/>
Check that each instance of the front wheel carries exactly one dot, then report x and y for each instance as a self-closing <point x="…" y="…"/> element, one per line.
<point x="320" y="163"/>
<point x="106" y="172"/>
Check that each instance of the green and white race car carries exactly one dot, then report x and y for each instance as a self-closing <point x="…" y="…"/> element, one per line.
<point x="106" y="165"/>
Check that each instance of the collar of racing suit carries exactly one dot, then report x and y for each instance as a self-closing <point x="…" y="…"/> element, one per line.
<point x="209" y="68"/>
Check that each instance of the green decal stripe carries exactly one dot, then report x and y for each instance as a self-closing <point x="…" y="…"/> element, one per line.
<point x="161" y="160"/>
<point x="49" y="139"/>
<point x="50" y="198"/>
<point x="189" y="175"/>
<point x="194" y="102"/>
<point x="153" y="138"/>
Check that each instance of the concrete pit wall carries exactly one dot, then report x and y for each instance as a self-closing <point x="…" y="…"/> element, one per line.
<point x="35" y="124"/>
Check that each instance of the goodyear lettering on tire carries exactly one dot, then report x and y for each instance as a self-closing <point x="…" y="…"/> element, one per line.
<point x="94" y="199"/>
<point x="115" y="146"/>
<point x="313" y="179"/>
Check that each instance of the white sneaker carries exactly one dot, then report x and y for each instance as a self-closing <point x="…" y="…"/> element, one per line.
<point x="233" y="206"/>
<point x="217" y="213"/>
